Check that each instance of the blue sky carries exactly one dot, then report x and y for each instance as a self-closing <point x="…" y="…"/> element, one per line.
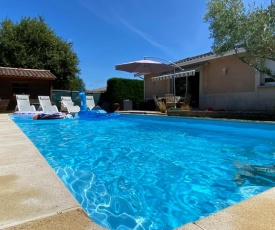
<point x="105" y="33"/>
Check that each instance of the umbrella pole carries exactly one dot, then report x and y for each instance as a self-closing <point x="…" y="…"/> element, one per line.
<point x="186" y="90"/>
<point x="174" y="89"/>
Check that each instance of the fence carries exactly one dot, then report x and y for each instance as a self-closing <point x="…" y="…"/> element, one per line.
<point x="56" y="96"/>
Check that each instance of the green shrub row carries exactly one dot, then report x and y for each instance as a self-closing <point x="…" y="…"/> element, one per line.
<point x="119" y="89"/>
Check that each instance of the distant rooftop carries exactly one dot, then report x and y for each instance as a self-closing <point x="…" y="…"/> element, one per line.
<point x="98" y="90"/>
<point x="26" y="73"/>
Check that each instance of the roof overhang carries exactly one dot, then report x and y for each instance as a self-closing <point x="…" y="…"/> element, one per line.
<point x="26" y="74"/>
<point x="205" y="58"/>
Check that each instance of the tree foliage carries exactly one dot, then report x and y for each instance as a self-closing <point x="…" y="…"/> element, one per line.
<point x="32" y="44"/>
<point x="233" y="27"/>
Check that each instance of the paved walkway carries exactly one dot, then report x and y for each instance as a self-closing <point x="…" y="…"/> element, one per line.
<point x="33" y="197"/>
<point x="31" y="194"/>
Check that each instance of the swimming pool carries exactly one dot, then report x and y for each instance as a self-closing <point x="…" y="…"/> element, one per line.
<point x="147" y="172"/>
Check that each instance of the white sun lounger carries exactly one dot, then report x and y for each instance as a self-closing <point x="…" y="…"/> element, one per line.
<point x="68" y="104"/>
<point x="90" y="102"/>
<point x="23" y="103"/>
<point x="46" y="104"/>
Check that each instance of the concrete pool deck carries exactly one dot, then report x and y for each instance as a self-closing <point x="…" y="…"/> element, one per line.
<point x="31" y="194"/>
<point x="33" y="197"/>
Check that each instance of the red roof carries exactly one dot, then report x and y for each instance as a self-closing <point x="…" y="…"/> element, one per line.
<point x="26" y="73"/>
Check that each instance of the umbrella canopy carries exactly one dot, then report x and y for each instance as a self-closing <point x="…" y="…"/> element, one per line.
<point x="145" y="66"/>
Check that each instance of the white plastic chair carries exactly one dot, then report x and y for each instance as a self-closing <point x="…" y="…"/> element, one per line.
<point x="90" y="102"/>
<point x="68" y="104"/>
<point x="23" y="103"/>
<point x="46" y="104"/>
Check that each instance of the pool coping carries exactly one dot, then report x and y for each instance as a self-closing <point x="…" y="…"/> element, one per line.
<point x="33" y="198"/>
<point x="31" y="194"/>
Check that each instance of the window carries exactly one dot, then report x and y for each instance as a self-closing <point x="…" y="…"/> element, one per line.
<point x="269" y="81"/>
<point x="19" y="88"/>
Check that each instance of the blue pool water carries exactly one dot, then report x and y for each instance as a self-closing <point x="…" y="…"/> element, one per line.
<point x="146" y="172"/>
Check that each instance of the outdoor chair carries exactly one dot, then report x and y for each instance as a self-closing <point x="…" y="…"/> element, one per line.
<point x="156" y="102"/>
<point x="23" y="103"/>
<point x="186" y="100"/>
<point x="68" y="105"/>
<point x="169" y="100"/>
<point x="90" y="102"/>
<point x="46" y="104"/>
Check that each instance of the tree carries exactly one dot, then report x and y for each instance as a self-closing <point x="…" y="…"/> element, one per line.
<point x="233" y="27"/>
<point x="75" y="83"/>
<point x="32" y="44"/>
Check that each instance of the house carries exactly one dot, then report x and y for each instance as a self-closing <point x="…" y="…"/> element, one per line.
<point x="23" y="81"/>
<point x="216" y="82"/>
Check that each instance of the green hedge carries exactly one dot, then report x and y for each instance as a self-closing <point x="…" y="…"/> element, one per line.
<point x="119" y="89"/>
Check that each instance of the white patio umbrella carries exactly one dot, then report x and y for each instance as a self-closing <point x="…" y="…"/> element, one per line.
<point x="145" y="67"/>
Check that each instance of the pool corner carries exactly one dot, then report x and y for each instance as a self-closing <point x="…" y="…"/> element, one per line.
<point x="255" y="213"/>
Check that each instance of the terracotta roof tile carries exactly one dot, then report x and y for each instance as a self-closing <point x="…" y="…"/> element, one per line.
<point x="26" y="73"/>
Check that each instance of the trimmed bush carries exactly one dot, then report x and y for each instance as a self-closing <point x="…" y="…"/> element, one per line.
<point x="119" y="89"/>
